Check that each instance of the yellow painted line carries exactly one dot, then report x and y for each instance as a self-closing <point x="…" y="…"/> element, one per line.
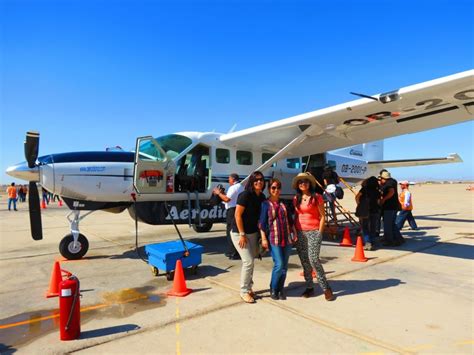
<point x="178" y="328"/>
<point x="465" y="342"/>
<point x="84" y="309"/>
<point x="420" y="347"/>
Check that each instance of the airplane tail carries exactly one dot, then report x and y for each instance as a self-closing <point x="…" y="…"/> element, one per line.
<point x="372" y="151"/>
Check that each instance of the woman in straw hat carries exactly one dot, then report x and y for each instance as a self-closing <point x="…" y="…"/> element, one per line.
<point x="309" y="224"/>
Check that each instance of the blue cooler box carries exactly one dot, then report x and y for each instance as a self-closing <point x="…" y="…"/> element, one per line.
<point x="163" y="256"/>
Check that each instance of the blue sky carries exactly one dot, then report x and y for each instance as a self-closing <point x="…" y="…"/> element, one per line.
<point x="94" y="74"/>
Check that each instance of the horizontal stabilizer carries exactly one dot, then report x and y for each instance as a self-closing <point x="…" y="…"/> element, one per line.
<point x="451" y="158"/>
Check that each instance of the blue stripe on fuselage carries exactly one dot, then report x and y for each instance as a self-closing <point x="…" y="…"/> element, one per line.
<point x="84" y="157"/>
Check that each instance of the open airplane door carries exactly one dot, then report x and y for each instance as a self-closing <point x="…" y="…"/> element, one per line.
<point x="153" y="171"/>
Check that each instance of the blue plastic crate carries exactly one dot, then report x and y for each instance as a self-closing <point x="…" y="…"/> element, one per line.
<point x="163" y="256"/>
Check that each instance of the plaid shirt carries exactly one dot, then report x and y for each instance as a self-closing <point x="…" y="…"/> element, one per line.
<point x="275" y="222"/>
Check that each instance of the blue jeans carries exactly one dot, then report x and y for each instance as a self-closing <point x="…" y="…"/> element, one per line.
<point x="10" y="200"/>
<point x="405" y="216"/>
<point x="280" y="256"/>
<point x="369" y="227"/>
<point x="390" y="231"/>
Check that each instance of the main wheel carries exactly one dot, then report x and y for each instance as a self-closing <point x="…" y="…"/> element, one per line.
<point x="71" y="251"/>
<point x="203" y="227"/>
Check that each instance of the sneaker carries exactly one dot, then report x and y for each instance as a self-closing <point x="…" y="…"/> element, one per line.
<point x="328" y="295"/>
<point x="368" y="246"/>
<point x="308" y="293"/>
<point x="274" y="295"/>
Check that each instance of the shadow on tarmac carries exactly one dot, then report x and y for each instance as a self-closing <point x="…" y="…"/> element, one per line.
<point x="343" y="288"/>
<point x="7" y="349"/>
<point x="108" y="331"/>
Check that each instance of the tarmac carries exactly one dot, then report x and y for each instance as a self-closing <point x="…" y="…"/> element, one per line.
<point x="417" y="298"/>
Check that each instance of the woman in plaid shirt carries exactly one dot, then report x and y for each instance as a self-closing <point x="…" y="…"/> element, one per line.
<point x="276" y="231"/>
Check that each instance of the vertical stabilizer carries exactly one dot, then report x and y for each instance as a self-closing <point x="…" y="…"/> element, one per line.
<point x="372" y="151"/>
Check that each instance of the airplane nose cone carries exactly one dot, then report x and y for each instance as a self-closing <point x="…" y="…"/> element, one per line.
<point x="23" y="172"/>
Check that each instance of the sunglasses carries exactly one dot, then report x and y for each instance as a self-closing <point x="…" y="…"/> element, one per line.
<point x="303" y="182"/>
<point x="275" y="187"/>
<point x="259" y="179"/>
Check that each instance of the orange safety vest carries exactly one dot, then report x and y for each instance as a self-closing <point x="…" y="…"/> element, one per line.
<point x="11" y="190"/>
<point x="401" y="198"/>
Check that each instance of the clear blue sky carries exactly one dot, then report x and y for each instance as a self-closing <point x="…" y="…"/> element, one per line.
<point x="93" y="74"/>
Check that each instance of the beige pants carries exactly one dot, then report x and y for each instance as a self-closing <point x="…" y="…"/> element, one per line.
<point x="247" y="255"/>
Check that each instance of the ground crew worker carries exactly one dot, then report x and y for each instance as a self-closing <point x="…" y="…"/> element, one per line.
<point x="12" y="196"/>
<point x="406" y="201"/>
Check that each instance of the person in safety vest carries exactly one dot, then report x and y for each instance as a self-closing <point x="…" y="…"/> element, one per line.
<point x="406" y="201"/>
<point x="12" y="196"/>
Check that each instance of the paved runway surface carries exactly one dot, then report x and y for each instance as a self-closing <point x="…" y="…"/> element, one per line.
<point x="417" y="298"/>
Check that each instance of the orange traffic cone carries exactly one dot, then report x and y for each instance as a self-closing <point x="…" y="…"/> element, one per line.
<point x="346" y="238"/>
<point x="179" y="283"/>
<point x="43" y="204"/>
<point x="359" y="251"/>
<point x="56" y="278"/>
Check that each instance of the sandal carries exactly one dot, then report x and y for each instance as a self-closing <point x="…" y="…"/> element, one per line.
<point x="247" y="298"/>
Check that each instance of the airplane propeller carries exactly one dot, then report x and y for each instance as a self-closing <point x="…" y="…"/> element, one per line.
<point x="31" y="154"/>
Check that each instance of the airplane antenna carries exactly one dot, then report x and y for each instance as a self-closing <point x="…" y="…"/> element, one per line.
<point x="363" y="95"/>
<point x="232" y="128"/>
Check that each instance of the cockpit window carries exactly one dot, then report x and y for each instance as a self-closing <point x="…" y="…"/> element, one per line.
<point x="173" y="144"/>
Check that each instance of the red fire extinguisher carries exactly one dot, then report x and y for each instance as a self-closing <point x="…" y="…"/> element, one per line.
<point x="69" y="309"/>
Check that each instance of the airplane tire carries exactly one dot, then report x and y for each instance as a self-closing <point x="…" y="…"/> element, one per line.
<point x="202" y="228"/>
<point x="67" y="249"/>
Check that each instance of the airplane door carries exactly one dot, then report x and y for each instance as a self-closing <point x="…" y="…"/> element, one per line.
<point x="153" y="169"/>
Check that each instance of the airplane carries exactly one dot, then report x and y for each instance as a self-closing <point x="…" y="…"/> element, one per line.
<point x="169" y="179"/>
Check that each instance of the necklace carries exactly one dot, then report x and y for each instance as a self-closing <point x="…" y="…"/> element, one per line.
<point x="306" y="198"/>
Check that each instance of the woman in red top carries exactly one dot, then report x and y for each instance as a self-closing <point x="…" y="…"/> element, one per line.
<point x="309" y="224"/>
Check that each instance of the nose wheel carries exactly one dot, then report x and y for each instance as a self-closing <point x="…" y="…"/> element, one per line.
<point x="74" y="245"/>
<point x="72" y="250"/>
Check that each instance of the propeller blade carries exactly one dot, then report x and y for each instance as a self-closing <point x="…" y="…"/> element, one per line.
<point x="31" y="148"/>
<point x="35" y="212"/>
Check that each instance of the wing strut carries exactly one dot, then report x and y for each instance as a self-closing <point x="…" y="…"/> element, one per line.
<point x="281" y="153"/>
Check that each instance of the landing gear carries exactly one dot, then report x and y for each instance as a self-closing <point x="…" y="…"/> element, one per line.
<point x="72" y="250"/>
<point x="203" y="227"/>
<point x="74" y="245"/>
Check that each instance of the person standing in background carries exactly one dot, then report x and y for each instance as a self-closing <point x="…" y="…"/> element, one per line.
<point x="406" y="201"/>
<point x="230" y="201"/>
<point x="12" y="196"/>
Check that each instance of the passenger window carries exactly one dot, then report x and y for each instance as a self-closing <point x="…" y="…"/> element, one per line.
<point x="223" y="156"/>
<point x="268" y="156"/>
<point x="244" y="157"/>
<point x="293" y="163"/>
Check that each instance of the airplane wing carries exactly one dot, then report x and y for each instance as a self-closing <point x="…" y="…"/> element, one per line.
<point x="415" y="108"/>
<point x="451" y="158"/>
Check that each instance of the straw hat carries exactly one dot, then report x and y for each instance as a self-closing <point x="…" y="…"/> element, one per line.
<point x="304" y="176"/>
<point x="385" y="175"/>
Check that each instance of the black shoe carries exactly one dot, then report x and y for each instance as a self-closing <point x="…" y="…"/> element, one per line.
<point x="274" y="295"/>
<point x="16" y="209"/>
<point x="235" y="257"/>
<point x="282" y="295"/>
<point x="308" y="293"/>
